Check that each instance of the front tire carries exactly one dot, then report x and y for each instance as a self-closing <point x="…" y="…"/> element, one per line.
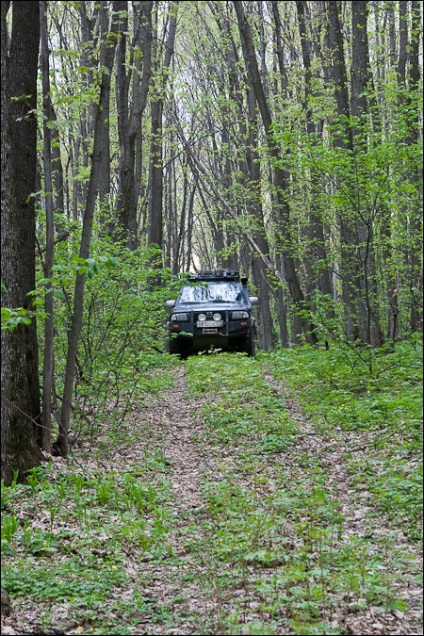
<point x="177" y="347"/>
<point x="250" y="347"/>
<point x="246" y="346"/>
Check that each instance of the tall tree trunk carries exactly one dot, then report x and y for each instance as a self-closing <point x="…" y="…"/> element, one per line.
<point x="105" y="175"/>
<point x="403" y="42"/>
<point x="408" y="83"/>
<point x="126" y="203"/>
<point x="416" y="228"/>
<point x="318" y="258"/>
<point x="156" y="177"/>
<point x="385" y="34"/>
<point x="349" y="266"/>
<point x="20" y="404"/>
<point x="48" y="361"/>
<point x="262" y="284"/>
<point x="155" y="230"/>
<point x="280" y="177"/>
<point x="108" y="46"/>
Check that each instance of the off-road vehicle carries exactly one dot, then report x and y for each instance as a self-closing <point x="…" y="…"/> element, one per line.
<point x="212" y="311"/>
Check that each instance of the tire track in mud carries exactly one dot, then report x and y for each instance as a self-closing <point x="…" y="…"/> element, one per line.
<point x="179" y="447"/>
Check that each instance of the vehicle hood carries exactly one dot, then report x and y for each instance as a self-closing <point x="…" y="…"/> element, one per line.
<point x="205" y="307"/>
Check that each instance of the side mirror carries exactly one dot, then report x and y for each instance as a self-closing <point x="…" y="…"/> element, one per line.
<point x="254" y="300"/>
<point x="169" y="304"/>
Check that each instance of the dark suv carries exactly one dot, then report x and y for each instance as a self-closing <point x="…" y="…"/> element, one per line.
<point x="213" y="310"/>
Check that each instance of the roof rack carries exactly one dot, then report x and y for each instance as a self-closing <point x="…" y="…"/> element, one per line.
<point x="216" y="274"/>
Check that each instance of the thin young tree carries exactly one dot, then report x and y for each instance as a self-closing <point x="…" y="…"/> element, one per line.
<point x="48" y="358"/>
<point x="161" y="74"/>
<point x="344" y="140"/>
<point x="132" y="87"/>
<point x="107" y="55"/>
<point x="363" y="102"/>
<point x="320" y="275"/>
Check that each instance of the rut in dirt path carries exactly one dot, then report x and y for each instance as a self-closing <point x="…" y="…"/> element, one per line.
<point x="175" y="417"/>
<point x="177" y="412"/>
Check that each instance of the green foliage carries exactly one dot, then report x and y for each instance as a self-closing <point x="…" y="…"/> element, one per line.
<point x="79" y="557"/>
<point x="274" y="545"/>
<point x="231" y="416"/>
<point x="123" y="326"/>
<point x="11" y="318"/>
<point x="375" y="186"/>
<point x="375" y="398"/>
<point x="9" y="527"/>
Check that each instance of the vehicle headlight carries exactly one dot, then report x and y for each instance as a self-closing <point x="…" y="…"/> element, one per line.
<point x="217" y="316"/>
<point x="179" y="317"/>
<point x="239" y="315"/>
<point x="201" y="317"/>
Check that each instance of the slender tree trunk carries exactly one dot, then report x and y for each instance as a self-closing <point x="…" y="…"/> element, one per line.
<point x="105" y="174"/>
<point x="108" y="46"/>
<point x="265" y="320"/>
<point x="403" y="42"/>
<point x="88" y="14"/>
<point x="57" y="174"/>
<point x="385" y="22"/>
<point x="318" y="258"/>
<point x="280" y="178"/>
<point x="362" y="97"/>
<point x="156" y="177"/>
<point x="155" y="234"/>
<point x="416" y="226"/>
<point x="126" y="192"/>
<point x="412" y="211"/>
<point x="282" y="307"/>
<point x="48" y="361"/>
<point x="348" y="266"/>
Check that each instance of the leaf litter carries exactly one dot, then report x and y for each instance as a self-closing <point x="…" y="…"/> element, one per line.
<point x="189" y="586"/>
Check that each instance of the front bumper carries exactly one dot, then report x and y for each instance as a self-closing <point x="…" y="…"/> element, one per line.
<point x="230" y="329"/>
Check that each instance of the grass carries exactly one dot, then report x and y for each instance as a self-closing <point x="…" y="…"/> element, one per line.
<point x="310" y="518"/>
<point x="277" y="521"/>
<point x="70" y="545"/>
<point x="379" y="412"/>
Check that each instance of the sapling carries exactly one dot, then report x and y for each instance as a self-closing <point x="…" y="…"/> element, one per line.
<point x="10" y="525"/>
<point x="33" y="481"/>
<point x="15" y="479"/>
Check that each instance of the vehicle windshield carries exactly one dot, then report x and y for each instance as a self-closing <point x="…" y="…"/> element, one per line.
<point x="212" y="292"/>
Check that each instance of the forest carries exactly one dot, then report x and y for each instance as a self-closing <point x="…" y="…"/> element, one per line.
<point x="145" y="141"/>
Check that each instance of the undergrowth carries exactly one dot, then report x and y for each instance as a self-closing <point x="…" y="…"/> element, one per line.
<point x="373" y="398"/>
<point x="310" y="517"/>
<point x="278" y="552"/>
